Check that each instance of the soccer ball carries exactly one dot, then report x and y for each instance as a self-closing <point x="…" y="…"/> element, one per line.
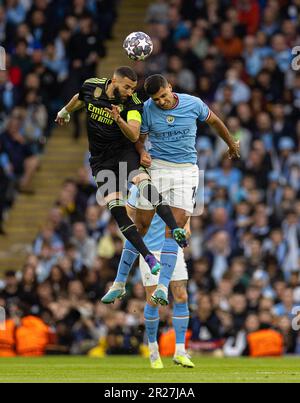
<point x="138" y="46"/>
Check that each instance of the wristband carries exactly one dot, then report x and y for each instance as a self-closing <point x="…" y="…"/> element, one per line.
<point x="64" y="114"/>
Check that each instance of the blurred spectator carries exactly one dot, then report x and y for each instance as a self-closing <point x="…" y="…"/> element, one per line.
<point x="249" y="14"/>
<point x="218" y="254"/>
<point x="21" y="155"/>
<point x="42" y="41"/>
<point x="229" y="45"/>
<point x="158" y="12"/>
<point x="240" y="91"/>
<point x="85" y="246"/>
<point x="206" y="327"/>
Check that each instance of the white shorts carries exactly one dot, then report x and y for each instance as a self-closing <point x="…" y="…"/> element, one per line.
<point x="177" y="183"/>
<point x="180" y="272"/>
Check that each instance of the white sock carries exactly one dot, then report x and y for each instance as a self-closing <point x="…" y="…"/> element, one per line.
<point x="153" y="347"/>
<point x="154" y="352"/>
<point x="180" y="349"/>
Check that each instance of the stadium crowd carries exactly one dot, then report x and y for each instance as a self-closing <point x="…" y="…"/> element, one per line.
<point x="51" y="48"/>
<point x="244" y="253"/>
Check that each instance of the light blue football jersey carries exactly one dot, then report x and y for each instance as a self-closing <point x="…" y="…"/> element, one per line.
<point x="172" y="133"/>
<point x="155" y="236"/>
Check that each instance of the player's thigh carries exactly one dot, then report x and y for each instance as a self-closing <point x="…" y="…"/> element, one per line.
<point x="108" y="184"/>
<point x="129" y="164"/>
<point x="183" y="193"/>
<point x="143" y="220"/>
<point x="178" y="186"/>
<point x="108" y="191"/>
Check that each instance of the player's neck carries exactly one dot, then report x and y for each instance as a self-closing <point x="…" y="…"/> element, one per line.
<point x="110" y="91"/>
<point x="175" y="101"/>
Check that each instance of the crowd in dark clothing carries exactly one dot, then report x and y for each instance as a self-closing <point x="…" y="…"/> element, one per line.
<point x="51" y="48"/>
<point x="244" y="253"/>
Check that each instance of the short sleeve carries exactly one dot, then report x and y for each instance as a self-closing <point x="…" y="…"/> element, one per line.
<point x="134" y="115"/>
<point x="135" y="104"/>
<point x="89" y="85"/>
<point x="82" y="92"/>
<point x="203" y="110"/>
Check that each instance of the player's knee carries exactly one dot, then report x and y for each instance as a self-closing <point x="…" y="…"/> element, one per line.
<point x="140" y="177"/>
<point x="143" y="220"/>
<point x="112" y="196"/>
<point x="181" y="297"/>
<point x="142" y="227"/>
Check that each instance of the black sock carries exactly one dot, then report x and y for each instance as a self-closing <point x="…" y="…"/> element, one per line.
<point x="127" y="227"/>
<point x="149" y="192"/>
<point x="165" y="212"/>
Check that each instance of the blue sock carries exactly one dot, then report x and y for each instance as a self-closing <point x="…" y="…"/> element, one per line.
<point x="151" y="322"/>
<point x="168" y="261"/>
<point x="128" y="258"/>
<point x="180" y="321"/>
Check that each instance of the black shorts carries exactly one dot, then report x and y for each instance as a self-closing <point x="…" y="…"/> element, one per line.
<point x="115" y="174"/>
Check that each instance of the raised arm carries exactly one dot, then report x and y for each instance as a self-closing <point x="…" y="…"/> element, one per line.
<point x="63" y="115"/>
<point x="233" y="146"/>
<point x="131" y="128"/>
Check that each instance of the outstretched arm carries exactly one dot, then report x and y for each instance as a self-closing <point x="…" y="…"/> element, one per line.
<point x="63" y="115"/>
<point x="223" y="132"/>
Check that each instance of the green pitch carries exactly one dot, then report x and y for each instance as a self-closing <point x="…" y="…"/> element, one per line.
<point x="136" y="369"/>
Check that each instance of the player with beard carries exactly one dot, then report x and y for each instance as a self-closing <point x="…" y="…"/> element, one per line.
<point x="114" y="117"/>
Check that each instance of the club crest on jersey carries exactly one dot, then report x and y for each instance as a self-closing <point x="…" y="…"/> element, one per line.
<point x="97" y="92"/>
<point x="170" y="119"/>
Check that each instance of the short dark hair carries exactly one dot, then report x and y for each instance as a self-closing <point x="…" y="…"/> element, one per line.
<point x="154" y="83"/>
<point x="125" y="71"/>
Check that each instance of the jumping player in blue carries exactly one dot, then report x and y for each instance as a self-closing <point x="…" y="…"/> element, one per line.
<point x="170" y="122"/>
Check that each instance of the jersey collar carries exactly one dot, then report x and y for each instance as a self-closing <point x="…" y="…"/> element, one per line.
<point x="105" y="87"/>
<point x="177" y="101"/>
